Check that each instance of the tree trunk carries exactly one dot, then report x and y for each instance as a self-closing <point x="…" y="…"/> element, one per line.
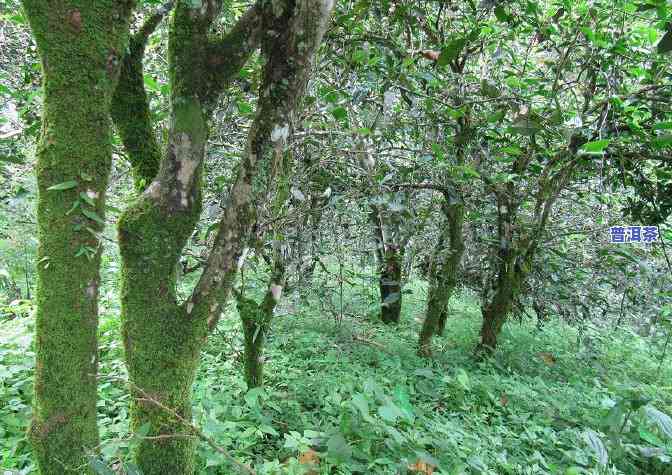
<point x="495" y="311"/>
<point x="256" y="324"/>
<point x="443" y="274"/>
<point x="78" y="44"/>
<point x="163" y="337"/>
<point x="390" y="284"/>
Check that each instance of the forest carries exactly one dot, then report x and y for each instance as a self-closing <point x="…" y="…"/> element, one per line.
<point x="345" y="237"/>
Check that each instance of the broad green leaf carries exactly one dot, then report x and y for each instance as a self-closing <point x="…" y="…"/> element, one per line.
<point x="360" y="402"/>
<point x="66" y="185"/>
<point x="662" y="141"/>
<point x="597" y="446"/>
<point x="99" y="467"/>
<point x="244" y="107"/>
<point x="598" y="146"/>
<point x="339" y="113"/>
<point x="93" y="216"/>
<point x="662" y="420"/>
<point x="451" y="51"/>
<point x="338" y="448"/>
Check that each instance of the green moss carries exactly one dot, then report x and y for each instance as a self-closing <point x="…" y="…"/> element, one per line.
<point x="79" y="44"/>
<point x="162" y="343"/>
<point x="130" y="112"/>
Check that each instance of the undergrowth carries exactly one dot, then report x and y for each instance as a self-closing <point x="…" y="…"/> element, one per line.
<point x="347" y="395"/>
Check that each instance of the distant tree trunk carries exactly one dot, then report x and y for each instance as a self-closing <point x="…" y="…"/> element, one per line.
<point x="257" y="320"/>
<point x="497" y="309"/>
<point x="79" y="44"/>
<point x="512" y="268"/>
<point x="389" y="258"/>
<point x="390" y="284"/>
<point x="443" y="273"/>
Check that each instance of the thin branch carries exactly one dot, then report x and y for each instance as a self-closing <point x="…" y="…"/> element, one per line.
<point x="196" y="431"/>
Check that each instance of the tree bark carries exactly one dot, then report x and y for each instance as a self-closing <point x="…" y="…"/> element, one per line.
<point x="256" y="319"/>
<point x="443" y="274"/>
<point x="162" y="336"/>
<point x="390" y="284"/>
<point x="79" y="45"/>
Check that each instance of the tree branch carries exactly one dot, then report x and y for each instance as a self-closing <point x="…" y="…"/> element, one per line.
<point x="289" y="43"/>
<point x="188" y="425"/>
<point x="225" y="56"/>
<point x="130" y="106"/>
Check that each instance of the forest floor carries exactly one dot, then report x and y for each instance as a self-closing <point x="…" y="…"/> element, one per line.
<point x="350" y="396"/>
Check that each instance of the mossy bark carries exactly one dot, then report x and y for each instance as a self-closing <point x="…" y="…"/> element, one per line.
<point x="256" y="319"/>
<point x="162" y="340"/>
<point x="443" y="274"/>
<point x="79" y="45"/>
<point x="389" y="258"/>
<point x="389" y="283"/>
<point x="498" y="308"/>
<point x="162" y="336"/>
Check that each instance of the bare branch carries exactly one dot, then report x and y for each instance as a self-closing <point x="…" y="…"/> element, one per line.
<point x="188" y="425"/>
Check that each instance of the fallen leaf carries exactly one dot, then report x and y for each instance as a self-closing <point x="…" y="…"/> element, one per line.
<point x="431" y="55"/>
<point x="76" y="20"/>
<point x="504" y="399"/>
<point x="310" y="457"/>
<point x="422" y="467"/>
<point x="548" y="358"/>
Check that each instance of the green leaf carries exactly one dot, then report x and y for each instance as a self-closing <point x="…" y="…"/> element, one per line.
<point x="87" y="199"/>
<point x="649" y="437"/>
<point x="131" y="469"/>
<point x="338" y="448"/>
<point x="597" y="446"/>
<point x="662" y="126"/>
<point x="360" y="402"/>
<point x="451" y="51"/>
<point x="496" y="116"/>
<point x="596" y="147"/>
<point x="501" y="14"/>
<point x="339" y="113"/>
<point x="252" y="397"/>
<point x="662" y="420"/>
<point x="244" y="107"/>
<point x="99" y="467"/>
<point x="93" y="216"/>
<point x="390" y="412"/>
<point x="463" y="378"/>
<point x="66" y="185"/>
<point x="662" y="141"/>
<point x="151" y="83"/>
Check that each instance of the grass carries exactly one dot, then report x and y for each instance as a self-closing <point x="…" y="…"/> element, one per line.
<point x="350" y="396"/>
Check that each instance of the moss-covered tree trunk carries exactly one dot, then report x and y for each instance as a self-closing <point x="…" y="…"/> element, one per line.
<point x="163" y="337"/>
<point x="389" y="283"/>
<point x="389" y="259"/>
<point x="512" y="263"/>
<point x="257" y="319"/>
<point x="79" y="45"/>
<point x="497" y="309"/>
<point x="443" y="273"/>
